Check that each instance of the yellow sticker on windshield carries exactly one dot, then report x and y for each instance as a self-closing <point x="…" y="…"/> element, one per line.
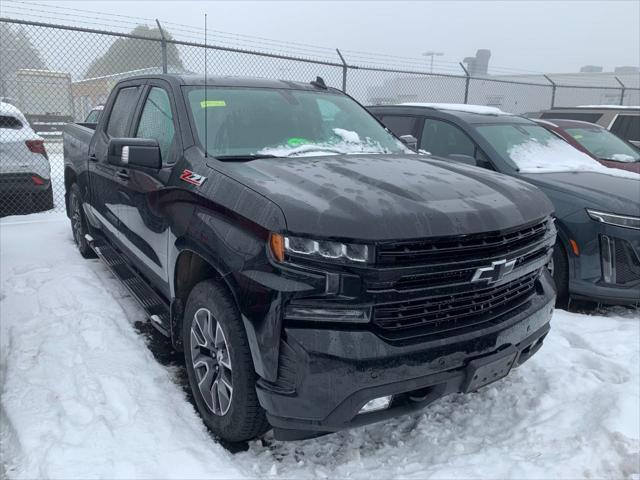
<point x="212" y="103"/>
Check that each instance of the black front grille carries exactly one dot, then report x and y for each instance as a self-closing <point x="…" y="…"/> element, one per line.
<point x="627" y="264"/>
<point x="443" y="313"/>
<point x="459" y="248"/>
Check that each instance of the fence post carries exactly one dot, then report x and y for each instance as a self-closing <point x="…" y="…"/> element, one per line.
<point x="553" y="90"/>
<point x="163" y="47"/>
<point x="622" y="90"/>
<point x="344" y="71"/>
<point x="466" y="83"/>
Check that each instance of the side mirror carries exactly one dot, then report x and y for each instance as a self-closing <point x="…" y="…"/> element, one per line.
<point x="134" y="152"/>
<point x="410" y="141"/>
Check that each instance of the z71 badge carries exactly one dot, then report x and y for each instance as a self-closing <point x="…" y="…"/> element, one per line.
<point x="192" y="178"/>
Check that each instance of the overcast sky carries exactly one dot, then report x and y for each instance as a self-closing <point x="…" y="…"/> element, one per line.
<point x="550" y="36"/>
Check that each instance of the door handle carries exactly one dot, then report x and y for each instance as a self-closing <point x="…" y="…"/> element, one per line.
<point x="93" y="157"/>
<point x="122" y="175"/>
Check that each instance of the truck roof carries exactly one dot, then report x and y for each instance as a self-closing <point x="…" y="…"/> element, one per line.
<point x="227" y="81"/>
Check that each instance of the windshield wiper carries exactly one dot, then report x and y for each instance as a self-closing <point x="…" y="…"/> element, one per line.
<point x="242" y="158"/>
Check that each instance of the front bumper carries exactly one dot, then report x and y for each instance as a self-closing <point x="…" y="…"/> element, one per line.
<point x="326" y="376"/>
<point x="587" y="280"/>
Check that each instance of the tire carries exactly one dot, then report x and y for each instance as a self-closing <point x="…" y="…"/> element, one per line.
<point x="219" y="365"/>
<point x="79" y="222"/>
<point x="560" y="273"/>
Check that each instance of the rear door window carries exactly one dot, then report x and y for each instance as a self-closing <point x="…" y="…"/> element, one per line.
<point x="627" y="127"/>
<point x="400" y="125"/>
<point x="122" y="111"/>
<point x="443" y="138"/>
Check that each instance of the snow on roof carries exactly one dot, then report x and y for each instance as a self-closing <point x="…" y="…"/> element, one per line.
<point x="460" y="107"/>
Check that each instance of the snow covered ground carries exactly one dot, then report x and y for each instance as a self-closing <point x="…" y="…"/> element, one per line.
<point x="84" y="397"/>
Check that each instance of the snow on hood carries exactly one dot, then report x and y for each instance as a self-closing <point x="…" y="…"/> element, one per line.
<point x="349" y="143"/>
<point x="622" y="157"/>
<point x="459" y="107"/>
<point x="557" y="156"/>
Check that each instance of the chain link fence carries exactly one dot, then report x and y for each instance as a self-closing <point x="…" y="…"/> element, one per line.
<point x="54" y="74"/>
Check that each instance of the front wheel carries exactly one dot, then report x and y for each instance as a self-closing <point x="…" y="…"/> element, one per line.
<point x="78" y="222"/>
<point x="219" y="365"/>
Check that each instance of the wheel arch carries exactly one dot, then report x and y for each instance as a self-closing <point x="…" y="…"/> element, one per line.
<point x="70" y="178"/>
<point x="191" y="267"/>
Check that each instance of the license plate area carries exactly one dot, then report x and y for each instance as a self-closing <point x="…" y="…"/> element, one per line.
<point x="486" y="370"/>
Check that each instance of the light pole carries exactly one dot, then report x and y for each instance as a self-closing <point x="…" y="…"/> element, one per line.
<point x="431" y="53"/>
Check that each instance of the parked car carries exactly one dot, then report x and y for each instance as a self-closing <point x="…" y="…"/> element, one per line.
<point x="25" y="173"/>
<point x="94" y="115"/>
<point x="317" y="274"/>
<point x="597" y="256"/>
<point x="597" y="142"/>
<point x="621" y="120"/>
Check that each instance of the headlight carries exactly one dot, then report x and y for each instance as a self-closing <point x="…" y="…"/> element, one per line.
<point x="613" y="219"/>
<point x="282" y="245"/>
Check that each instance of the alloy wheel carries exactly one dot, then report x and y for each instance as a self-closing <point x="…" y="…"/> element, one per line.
<point x="76" y="220"/>
<point x="211" y="362"/>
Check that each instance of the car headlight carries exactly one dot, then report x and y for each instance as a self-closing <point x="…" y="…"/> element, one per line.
<point x="285" y="245"/>
<point x="625" y="221"/>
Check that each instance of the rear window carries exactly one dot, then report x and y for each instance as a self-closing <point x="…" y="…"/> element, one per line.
<point x="627" y="127"/>
<point x="10" y="122"/>
<point x="122" y="111"/>
<point x="583" y="116"/>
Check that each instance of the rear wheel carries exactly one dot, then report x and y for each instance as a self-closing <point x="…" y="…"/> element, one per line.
<point x="219" y="365"/>
<point x="559" y="268"/>
<point x="78" y="222"/>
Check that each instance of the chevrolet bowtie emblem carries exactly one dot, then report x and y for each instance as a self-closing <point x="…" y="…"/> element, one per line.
<point x="495" y="272"/>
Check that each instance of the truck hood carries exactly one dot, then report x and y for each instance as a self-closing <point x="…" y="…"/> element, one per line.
<point x="592" y="190"/>
<point x="382" y="197"/>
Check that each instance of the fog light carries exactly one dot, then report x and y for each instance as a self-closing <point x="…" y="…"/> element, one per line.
<point x="380" y="403"/>
<point x="354" y="315"/>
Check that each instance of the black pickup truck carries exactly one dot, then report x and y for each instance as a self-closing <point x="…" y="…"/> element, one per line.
<point x="317" y="274"/>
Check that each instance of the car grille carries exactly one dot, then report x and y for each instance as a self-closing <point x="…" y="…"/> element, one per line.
<point x="627" y="264"/>
<point x="464" y="310"/>
<point x="445" y="249"/>
<point x="439" y="295"/>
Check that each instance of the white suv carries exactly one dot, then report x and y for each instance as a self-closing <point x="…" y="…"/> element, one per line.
<point x="25" y="172"/>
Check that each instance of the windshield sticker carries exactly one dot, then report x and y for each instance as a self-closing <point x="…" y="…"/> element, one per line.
<point x="297" y="141"/>
<point x="212" y="103"/>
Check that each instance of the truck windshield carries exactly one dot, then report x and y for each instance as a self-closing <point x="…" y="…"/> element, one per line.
<point x="266" y="122"/>
<point x="534" y="149"/>
<point x="604" y="144"/>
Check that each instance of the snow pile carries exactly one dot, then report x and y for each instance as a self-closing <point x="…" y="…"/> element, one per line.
<point x="82" y="396"/>
<point x="558" y="156"/>
<point x="348" y="142"/>
<point x="460" y="107"/>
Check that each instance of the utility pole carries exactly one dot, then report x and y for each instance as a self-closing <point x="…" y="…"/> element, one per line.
<point x="431" y="53"/>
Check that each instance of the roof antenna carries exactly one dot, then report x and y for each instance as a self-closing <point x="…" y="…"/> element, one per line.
<point x="206" y="103"/>
<point x="319" y="83"/>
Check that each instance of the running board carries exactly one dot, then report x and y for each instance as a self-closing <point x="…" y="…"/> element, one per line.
<point x="153" y="304"/>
